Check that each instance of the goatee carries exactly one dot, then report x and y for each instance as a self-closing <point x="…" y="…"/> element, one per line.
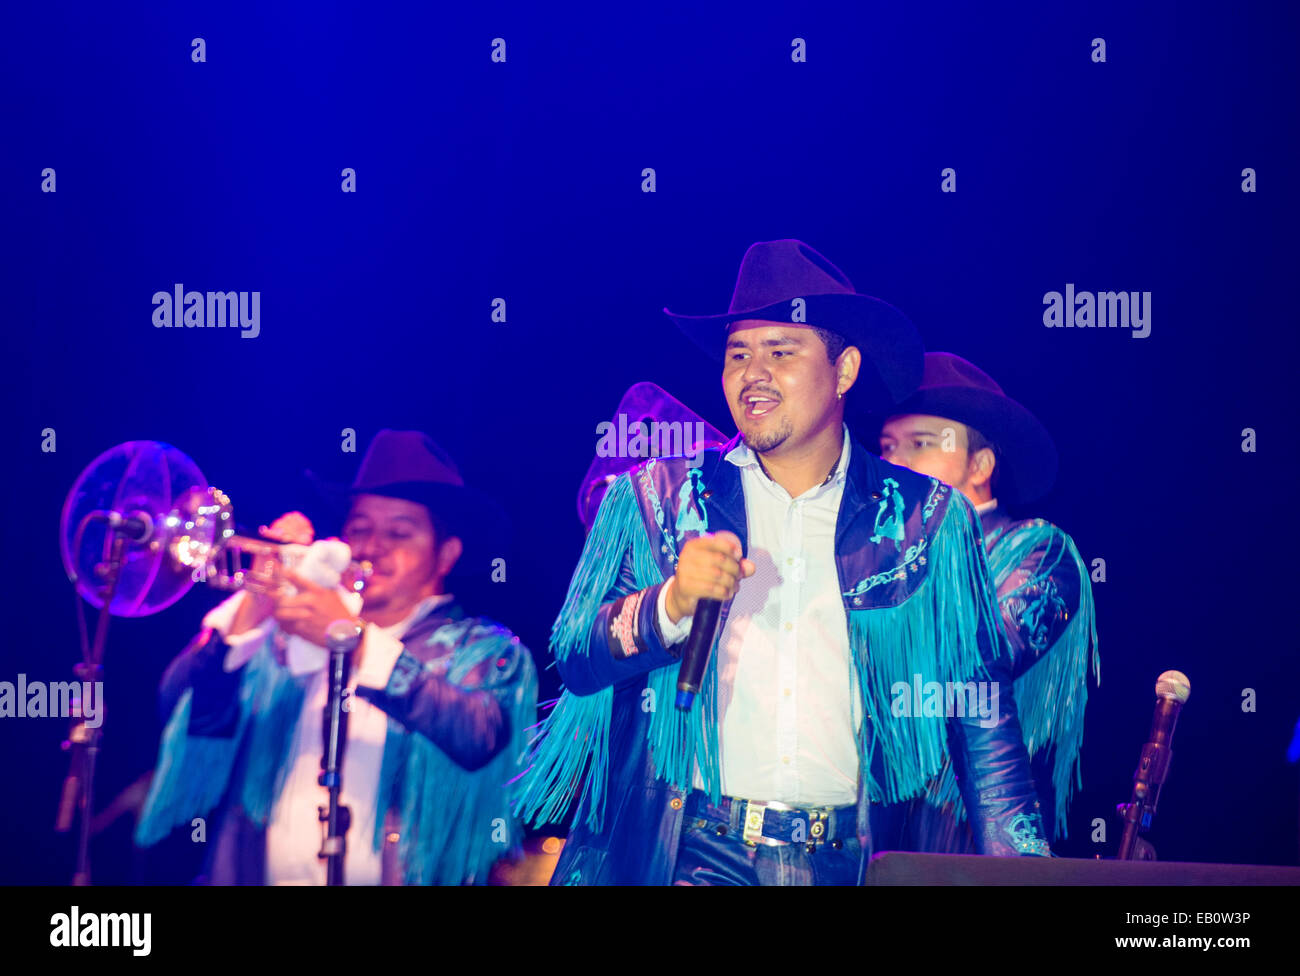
<point x="767" y="440"/>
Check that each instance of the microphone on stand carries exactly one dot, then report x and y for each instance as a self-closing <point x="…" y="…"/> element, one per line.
<point x="136" y="526"/>
<point x="1172" y="691"/>
<point x="341" y="639"/>
<point x="704" y="628"/>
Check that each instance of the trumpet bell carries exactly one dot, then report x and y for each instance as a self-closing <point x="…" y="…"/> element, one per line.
<point x="138" y="481"/>
<point x="196" y="532"/>
<point x="173" y="530"/>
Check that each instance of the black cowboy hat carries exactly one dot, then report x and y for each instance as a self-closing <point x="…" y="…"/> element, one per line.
<point x="959" y="390"/>
<point x="773" y="274"/>
<point x="410" y="465"/>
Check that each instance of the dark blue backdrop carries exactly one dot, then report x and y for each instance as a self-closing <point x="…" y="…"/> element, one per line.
<point x="522" y="180"/>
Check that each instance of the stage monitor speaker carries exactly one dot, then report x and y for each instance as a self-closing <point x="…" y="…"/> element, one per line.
<point x="904" y="868"/>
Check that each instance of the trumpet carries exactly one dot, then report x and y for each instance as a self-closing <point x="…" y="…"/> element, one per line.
<point x="201" y="539"/>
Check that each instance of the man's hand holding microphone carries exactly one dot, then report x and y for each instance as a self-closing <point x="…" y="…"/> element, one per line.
<point x="709" y="571"/>
<point x="710" y="568"/>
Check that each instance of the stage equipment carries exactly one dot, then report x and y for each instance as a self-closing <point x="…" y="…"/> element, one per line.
<point x="1172" y="692"/>
<point x="141" y="526"/>
<point x="342" y="636"/>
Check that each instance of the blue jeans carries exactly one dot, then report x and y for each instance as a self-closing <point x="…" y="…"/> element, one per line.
<point x="711" y="853"/>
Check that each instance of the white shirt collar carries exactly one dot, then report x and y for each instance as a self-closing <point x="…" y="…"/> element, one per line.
<point x="987" y="506"/>
<point x="420" y="609"/>
<point x="742" y="457"/>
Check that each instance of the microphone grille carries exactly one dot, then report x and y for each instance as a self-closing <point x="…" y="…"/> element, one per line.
<point x="342" y="632"/>
<point x="1174" y="684"/>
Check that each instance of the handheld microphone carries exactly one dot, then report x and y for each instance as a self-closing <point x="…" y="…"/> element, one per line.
<point x="1172" y="690"/>
<point x="704" y="628"/>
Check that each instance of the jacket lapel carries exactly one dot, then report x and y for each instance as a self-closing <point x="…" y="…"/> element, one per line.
<point x="861" y="491"/>
<point x="725" y="496"/>
<point x="726" y="500"/>
<point x="433" y="619"/>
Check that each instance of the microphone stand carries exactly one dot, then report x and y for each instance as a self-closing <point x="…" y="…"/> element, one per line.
<point x="342" y="638"/>
<point x="1153" y="768"/>
<point x="82" y="743"/>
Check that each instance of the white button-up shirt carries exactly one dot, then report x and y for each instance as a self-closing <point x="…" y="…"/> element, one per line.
<point x="787" y="693"/>
<point x="293" y="835"/>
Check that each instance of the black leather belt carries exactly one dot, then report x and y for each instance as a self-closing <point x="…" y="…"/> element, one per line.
<point x="757" y="822"/>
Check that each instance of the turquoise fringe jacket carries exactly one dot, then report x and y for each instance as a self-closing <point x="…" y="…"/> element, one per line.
<point x="917" y="596"/>
<point x="461" y="700"/>
<point x="1045" y="597"/>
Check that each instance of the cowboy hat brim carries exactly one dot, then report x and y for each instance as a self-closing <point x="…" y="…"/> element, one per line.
<point x="476" y="519"/>
<point x="892" y="353"/>
<point x="1029" y="457"/>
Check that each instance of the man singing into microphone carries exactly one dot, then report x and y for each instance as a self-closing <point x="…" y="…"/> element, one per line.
<point x="850" y="583"/>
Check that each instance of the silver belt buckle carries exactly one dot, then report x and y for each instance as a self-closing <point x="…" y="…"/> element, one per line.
<point x="753" y="832"/>
<point x="755" y="811"/>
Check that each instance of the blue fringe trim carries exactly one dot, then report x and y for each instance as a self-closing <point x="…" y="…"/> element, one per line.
<point x="191" y="777"/>
<point x="682" y="742"/>
<point x="274" y="703"/>
<point x="455" y="824"/>
<point x="569" y="758"/>
<point x="1046" y="719"/>
<point x="194" y="771"/>
<point x="934" y="633"/>
<point x="617" y="525"/>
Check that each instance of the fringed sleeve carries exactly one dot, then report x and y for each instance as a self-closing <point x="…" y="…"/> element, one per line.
<point x="456" y="822"/>
<point x="1047" y="609"/>
<point x="194" y="771"/>
<point x="569" y="757"/>
<point x="944" y="632"/>
<point x="190" y="778"/>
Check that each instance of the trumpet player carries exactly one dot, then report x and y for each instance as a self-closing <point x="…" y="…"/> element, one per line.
<point x="434" y="730"/>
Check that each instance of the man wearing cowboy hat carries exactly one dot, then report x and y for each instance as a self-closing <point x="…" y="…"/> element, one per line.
<point x="434" y="732"/>
<point x="845" y="576"/>
<point x="961" y="428"/>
